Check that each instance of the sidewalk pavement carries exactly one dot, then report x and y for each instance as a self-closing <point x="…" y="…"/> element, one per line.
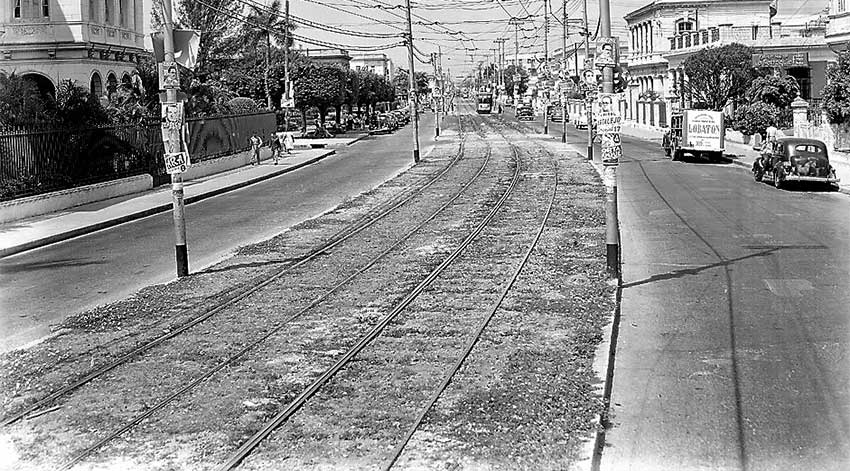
<point x="26" y="234"/>
<point x="744" y="155"/>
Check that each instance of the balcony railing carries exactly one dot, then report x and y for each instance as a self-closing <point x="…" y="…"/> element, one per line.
<point x="688" y="39"/>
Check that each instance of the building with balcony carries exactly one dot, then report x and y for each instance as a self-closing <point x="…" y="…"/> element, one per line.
<point x="838" y="29"/>
<point x="376" y="63"/>
<point x="92" y="42"/>
<point x="664" y="33"/>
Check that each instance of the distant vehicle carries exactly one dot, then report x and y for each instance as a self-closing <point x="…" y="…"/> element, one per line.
<point x="524" y="113"/>
<point x="794" y="159"/>
<point x="556" y="113"/>
<point x="484" y="103"/>
<point x="509" y="101"/>
<point x="700" y="133"/>
<point x="579" y="119"/>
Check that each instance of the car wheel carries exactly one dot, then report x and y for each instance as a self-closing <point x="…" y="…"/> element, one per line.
<point x="758" y="174"/>
<point x="779" y="179"/>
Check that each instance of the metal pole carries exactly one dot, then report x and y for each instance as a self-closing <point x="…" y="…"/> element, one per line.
<point x="566" y="77"/>
<point x="181" y="252"/>
<point x="587" y="110"/>
<point x="612" y="229"/>
<point x="412" y="83"/>
<point x="516" y="61"/>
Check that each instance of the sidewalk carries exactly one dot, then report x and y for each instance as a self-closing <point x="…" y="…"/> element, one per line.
<point x="743" y="155"/>
<point x="26" y="234"/>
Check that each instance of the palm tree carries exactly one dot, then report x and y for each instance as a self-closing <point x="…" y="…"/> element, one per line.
<point x="265" y="23"/>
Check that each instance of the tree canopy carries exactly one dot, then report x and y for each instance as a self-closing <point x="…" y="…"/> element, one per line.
<point x="719" y="75"/>
<point x="836" y="94"/>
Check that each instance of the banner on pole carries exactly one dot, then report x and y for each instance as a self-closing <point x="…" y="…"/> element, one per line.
<point x="169" y="75"/>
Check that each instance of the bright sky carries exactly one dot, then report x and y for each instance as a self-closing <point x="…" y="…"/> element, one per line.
<point x="465" y="30"/>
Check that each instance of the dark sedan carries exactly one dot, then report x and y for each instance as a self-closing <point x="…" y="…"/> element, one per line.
<point x="794" y="159"/>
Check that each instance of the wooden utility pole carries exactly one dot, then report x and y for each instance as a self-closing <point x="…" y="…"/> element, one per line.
<point x="181" y="251"/>
<point x="564" y="72"/>
<point x="436" y="87"/>
<point x="588" y="111"/>
<point x="412" y="84"/>
<point x="545" y="66"/>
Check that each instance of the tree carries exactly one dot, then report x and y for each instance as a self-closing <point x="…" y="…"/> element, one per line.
<point x="777" y="91"/>
<point x="20" y="101"/>
<point x="273" y="27"/>
<point x="770" y="98"/>
<point x="719" y="75"/>
<point x="217" y="24"/>
<point x="510" y="85"/>
<point x="755" y="118"/>
<point x="321" y="86"/>
<point x="836" y="93"/>
<point x="401" y="82"/>
<point x="76" y="106"/>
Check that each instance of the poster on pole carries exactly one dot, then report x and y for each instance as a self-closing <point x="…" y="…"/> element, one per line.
<point x="169" y="76"/>
<point x="173" y="138"/>
<point x="606" y="115"/>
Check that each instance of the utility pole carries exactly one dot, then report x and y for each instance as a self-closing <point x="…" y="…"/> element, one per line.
<point x="286" y="85"/>
<point x="181" y="251"/>
<point x="412" y="84"/>
<point x="546" y="66"/>
<point x="612" y="229"/>
<point x="566" y="75"/>
<point x="588" y="111"/>
<point x="436" y="106"/>
<point x="515" y="21"/>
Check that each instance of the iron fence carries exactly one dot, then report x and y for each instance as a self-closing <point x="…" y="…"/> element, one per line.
<point x="35" y="160"/>
<point x="815" y="112"/>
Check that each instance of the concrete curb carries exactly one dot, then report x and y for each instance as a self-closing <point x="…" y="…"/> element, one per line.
<point x="153" y="210"/>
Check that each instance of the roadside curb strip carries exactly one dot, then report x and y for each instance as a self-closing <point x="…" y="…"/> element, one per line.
<point x="151" y="211"/>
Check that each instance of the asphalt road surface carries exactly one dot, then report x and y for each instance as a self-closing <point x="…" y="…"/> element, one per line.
<point x="43" y="286"/>
<point x="732" y="351"/>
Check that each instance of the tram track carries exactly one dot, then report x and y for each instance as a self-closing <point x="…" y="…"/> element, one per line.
<point x="215" y="304"/>
<point x="435" y="285"/>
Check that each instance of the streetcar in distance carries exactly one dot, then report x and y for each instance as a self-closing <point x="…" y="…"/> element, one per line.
<point x="484" y="103"/>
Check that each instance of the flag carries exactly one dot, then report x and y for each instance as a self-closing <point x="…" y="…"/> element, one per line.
<point x="186" y="45"/>
<point x="773" y="8"/>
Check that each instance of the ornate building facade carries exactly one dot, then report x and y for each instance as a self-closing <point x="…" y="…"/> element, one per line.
<point x="92" y="42"/>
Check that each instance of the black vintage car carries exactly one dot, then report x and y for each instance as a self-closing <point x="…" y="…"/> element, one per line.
<point x="794" y="159"/>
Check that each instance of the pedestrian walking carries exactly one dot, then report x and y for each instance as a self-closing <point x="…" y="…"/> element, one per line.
<point x="256" y="143"/>
<point x="288" y="142"/>
<point x="274" y="145"/>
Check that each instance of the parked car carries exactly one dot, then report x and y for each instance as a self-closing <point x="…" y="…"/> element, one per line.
<point x="794" y="159"/>
<point x="556" y="113"/>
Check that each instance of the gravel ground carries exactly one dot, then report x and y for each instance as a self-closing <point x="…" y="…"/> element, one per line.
<point x="524" y="399"/>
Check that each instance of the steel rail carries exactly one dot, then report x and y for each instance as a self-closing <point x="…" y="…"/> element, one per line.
<point x="254" y="286"/>
<point x="276" y="327"/>
<point x="236" y="458"/>
<point x="477" y="335"/>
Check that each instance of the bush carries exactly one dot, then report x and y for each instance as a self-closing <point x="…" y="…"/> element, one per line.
<point x="777" y="91"/>
<point x="755" y="118"/>
<point x="836" y="93"/>
<point x="243" y="105"/>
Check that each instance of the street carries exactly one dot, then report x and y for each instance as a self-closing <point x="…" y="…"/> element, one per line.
<point x="732" y="342"/>
<point x="43" y="286"/>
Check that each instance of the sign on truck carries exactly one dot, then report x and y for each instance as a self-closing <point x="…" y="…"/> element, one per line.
<point x="703" y="131"/>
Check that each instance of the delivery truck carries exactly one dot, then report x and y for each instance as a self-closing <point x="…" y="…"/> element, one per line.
<point x="699" y="133"/>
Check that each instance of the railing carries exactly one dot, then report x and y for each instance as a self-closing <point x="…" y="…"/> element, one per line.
<point x="688" y="39"/>
<point x="35" y="160"/>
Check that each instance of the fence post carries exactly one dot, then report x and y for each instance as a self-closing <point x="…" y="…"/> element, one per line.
<point x="800" y="111"/>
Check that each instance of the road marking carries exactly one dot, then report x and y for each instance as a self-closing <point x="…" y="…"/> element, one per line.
<point x="789" y="287"/>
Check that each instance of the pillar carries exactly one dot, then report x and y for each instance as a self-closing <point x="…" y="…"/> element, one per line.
<point x="800" y="111"/>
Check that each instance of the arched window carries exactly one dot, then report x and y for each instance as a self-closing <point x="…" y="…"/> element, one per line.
<point x="45" y="8"/>
<point x="125" y="79"/>
<point x="17" y="8"/>
<point x="111" y="84"/>
<point x="106" y="17"/>
<point x="96" y="85"/>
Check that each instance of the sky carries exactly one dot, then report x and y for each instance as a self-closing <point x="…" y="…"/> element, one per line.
<point x="463" y="30"/>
